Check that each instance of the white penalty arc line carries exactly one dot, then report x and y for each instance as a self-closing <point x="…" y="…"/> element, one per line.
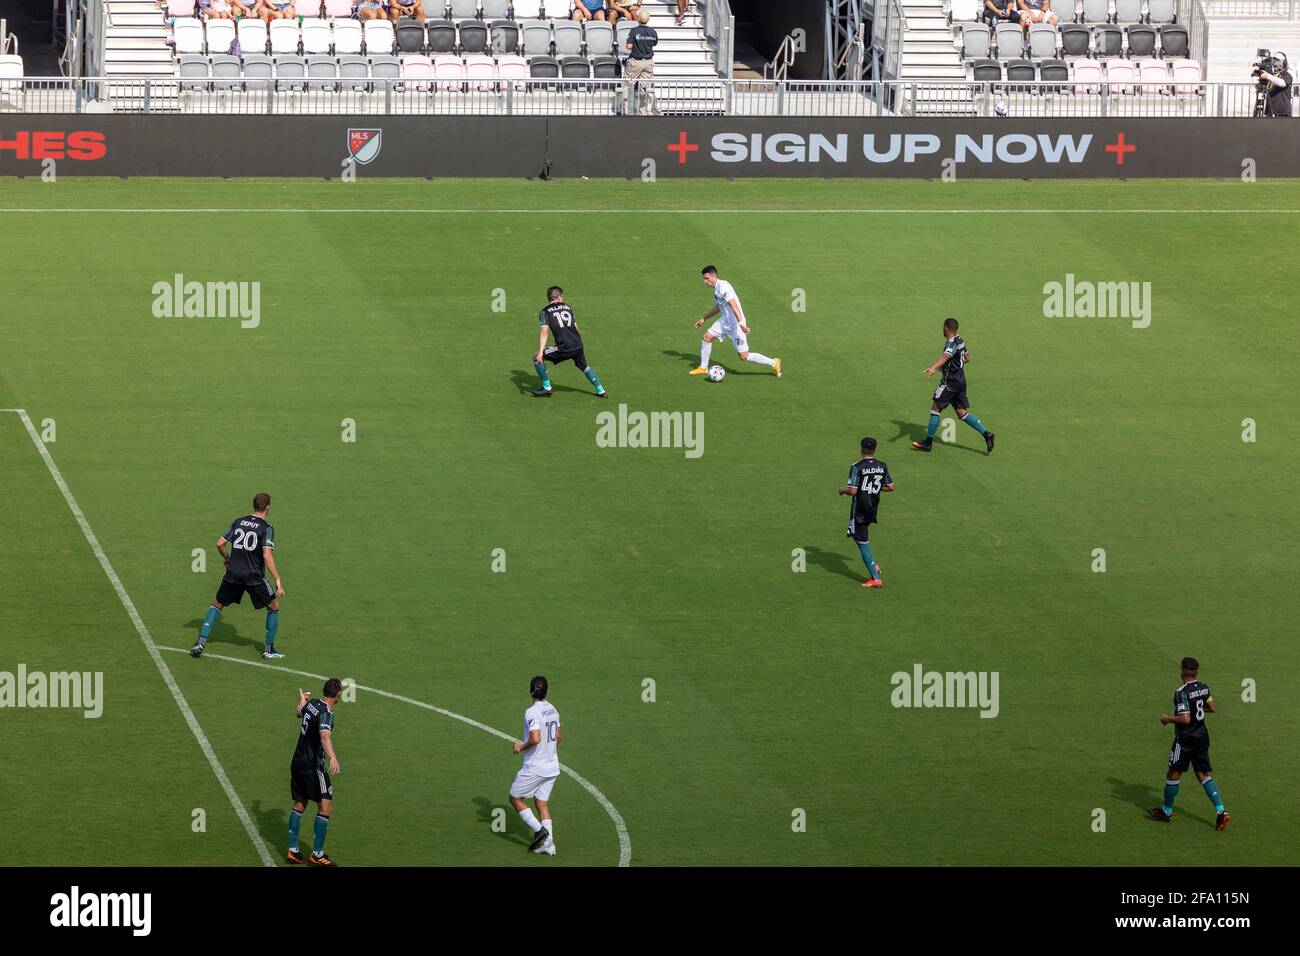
<point x="1004" y="210"/>
<point x="624" y="841"/>
<point x="149" y="644"/>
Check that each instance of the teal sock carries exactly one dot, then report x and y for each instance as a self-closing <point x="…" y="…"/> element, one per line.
<point x="591" y="377"/>
<point x="272" y="627"/>
<point x="208" y="620"/>
<point x="295" y="821"/>
<point x="322" y="824"/>
<point x="934" y="426"/>
<point x="1171" y="791"/>
<point x="869" y="559"/>
<point x="1212" y="791"/>
<point x="974" y="422"/>
<point x="541" y="373"/>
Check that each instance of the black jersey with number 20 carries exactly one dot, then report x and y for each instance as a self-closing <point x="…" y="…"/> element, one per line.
<point x="248" y="536"/>
<point x="558" y="317"/>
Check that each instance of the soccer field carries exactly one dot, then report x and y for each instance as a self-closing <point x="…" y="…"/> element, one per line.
<point x="772" y="737"/>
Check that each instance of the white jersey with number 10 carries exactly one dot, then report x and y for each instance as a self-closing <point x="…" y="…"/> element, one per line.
<point x="543" y="759"/>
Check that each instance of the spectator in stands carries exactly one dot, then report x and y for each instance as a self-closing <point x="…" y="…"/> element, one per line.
<point x="248" y="8"/>
<point x="371" y="10"/>
<point x="626" y="9"/>
<point x="218" y="10"/>
<point x="681" y="12"/>
<point x="1278" y="102"/>
<point x="406" y="8"/>
<point x="1004" y="11"/>
<point x="1036" y="11"/>
<point x="278" y="10"/>
<point x="591" y="10"/>
<point x="640" y="64"/>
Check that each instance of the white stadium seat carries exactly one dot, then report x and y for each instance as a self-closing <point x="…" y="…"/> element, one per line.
<point x="284" y="36"/>
<point x="252" y="35"/>
<point x="347" y="36"/>
<point x="221" y="33"/>
<point x="379" y="37"/>
<point x="188" y="32"/>
<point x="316" y="36"/>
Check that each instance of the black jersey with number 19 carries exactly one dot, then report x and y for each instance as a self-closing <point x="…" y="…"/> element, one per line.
<point x="558" y="317"/>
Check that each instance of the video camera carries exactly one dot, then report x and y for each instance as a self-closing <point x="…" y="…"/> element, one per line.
<point x="1267" y="62"/>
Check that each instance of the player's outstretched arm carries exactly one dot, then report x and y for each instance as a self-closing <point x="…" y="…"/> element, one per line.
<point x="938" y="365"/>
<point x="848" y="489"/>
<point x="706" y="316"/>
<point x="888" y="487"/>
<point x="327" y="741"/>
<point x="302" y="700"/>
<point x="269" y="557"/>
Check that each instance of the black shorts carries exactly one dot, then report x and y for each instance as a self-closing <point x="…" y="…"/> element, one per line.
<point x="1190" y="753"/>
<point x="858" y="531"/>
<point x="306" y="784"/>
<point x="557" y="355"/>
<point x="955" y="396"/>
<point x="259" y="591"/>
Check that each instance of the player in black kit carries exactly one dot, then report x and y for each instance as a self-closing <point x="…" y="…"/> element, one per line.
<point x="868" y="478"/>
<point x="1192" y="701"/>
<point x="309" y="778"/>
<point x="250" y="554"/>
<point x="557" y="319"/>
<point x="952" y="388"/>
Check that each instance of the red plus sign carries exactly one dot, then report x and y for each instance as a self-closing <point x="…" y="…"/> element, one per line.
<point x="682" y="147"/>
<point x="1119" y="148"/>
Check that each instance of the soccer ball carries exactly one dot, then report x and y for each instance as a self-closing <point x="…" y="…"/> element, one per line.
<point x="717" y="373"/>
<point x="1000" y="107"/>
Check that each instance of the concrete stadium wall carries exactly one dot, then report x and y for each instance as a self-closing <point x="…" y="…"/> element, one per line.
<point x="620" y="147"/>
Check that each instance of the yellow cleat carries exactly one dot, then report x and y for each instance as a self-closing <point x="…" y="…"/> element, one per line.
<point x="776" y="367"/>
<point x="701" y="370"/>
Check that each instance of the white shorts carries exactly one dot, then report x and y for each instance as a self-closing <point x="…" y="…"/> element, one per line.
<point x="529" y="784"/>
<point x="730" y="332"/>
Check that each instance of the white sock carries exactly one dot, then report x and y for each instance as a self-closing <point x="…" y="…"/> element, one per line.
<point x="550" y="827"/>
<point x="705" y="349"/>
<point x="761" y="359"/>
<point x="527" y="816"/>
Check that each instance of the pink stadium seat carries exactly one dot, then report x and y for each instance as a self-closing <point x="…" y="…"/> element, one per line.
<point x="1187" y="76"/>
<point x="338" y="8"/>
<point x="447" y="68"/>
<point x="1120" y="74"/>
<point x="418" y="68"/>
<point x="481" y="71"/>
<point x="180" y="8"/>
<point x="512" y="67"/>
<point x="1151" y="72"/>
<point x="1087" y="75"/>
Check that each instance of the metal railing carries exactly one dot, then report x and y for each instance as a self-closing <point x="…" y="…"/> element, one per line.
<point x="663" y="97"/>
<point x="782" y="60"/>
<point x="720" y="28"/>
<point x="1252" y="9"/>
<point x="888" y="26"/>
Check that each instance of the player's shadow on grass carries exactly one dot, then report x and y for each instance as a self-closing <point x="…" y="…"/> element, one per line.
<point x="273" y="825"/>
<point x="223" y="633"/>
<point x="694" y="359"/>
<point x="911" y="431"/>
<point x="1143" y="795"/>
<point x="516" y="830"/>
<point x="837" y="563"/>
<point x="527" y="381"/>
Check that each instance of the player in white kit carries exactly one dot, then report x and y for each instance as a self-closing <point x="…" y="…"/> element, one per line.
<point x="730" y="325"/>
<point x="540" y="768"/>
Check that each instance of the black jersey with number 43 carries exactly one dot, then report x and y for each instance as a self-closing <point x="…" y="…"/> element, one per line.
<point x="869" y="476"/>
<point x="317" y="718"/>
<point x="248" y="536"/>
<point x="558" y="317"/>
<point x="1191" y="699"/>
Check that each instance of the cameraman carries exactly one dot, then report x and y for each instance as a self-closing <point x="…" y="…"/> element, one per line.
<point x="1277" y="96"/>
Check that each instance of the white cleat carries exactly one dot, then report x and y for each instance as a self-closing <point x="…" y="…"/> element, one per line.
<point x="548" y="849"/>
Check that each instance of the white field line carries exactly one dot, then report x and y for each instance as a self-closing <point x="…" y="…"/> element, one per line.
<point x="1002" y="210"/>
<point x="624" y="841"/>
<point x="204" y="745"/>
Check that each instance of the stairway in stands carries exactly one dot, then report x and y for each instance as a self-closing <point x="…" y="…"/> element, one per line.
<point x="135" y="39"/>
<point x="683" y="52"/>
<point x="928" y="51"/>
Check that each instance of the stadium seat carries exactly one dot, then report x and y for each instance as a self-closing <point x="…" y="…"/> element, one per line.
<point x="221" y="34"/>
<point x="1076" y="39"/>
<point x="599" y="37"/>
<point x="284" y="36"/>
<point x="1162" y="11"/>
<point x="1141" y="40"/>
<point x="188" y="34"/>
<point x="1010" y="41"/>
<point x="504" y="36"/>
<point x="354" y="71"/>
<point x="621" y="30"/>
<point x="494" y="9"/>
<point x="180" y="8"/>
<point x="308" y="8"/>
<point x="1173" y="40"/>
<point x="568" y="37"/>
<point x="226" y="72"/>
<point x="290" y="72"/>
<point x="512" y="67"/>
<point x="11" y="68"/>
<point x="409" y="35"/>
<point x="252" y="35"/>
<point x="1187" y="76"/>
<point x="316" y="35"/>
<point x="543" y="67"/>
<point x="1152" y="71"/>
<point x="442" y="36"/>
<point x="537" y="37"/>
<point x="448" y="72"/>
<point x="604" y="67"/>
<point x="975" y="41"/>
<point x="1054" y="71"/>
<point x="986" y="71"/>
<point x="473" y="37"/>
<point x="1128" y="11"/>
<point x="1120" y="75"/>
<point x="193" y="66"/>
<point x="1042" y="41"/>
<point x="963" y="11"/>
<point x="379" y="37"/>
<point x="258" y="71"/>
<point x="464" y="9"/>
<point x="1107" y="40"/>
<point x="481" y="72"/>
<point x="339" y="10"/>
<point x="1095" y="11"/>
<point x="417" y="71"/>
<point x="526" y="9"/>
<point x="348" y="36"/>
<point x="1087" y="76"/>
<point x="575" y="68"/>
<point x="321" y="69"/>
<point x="1021" y="71"/>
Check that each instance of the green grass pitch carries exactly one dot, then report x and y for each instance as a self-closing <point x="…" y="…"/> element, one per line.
<point x="623" y="564"/>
